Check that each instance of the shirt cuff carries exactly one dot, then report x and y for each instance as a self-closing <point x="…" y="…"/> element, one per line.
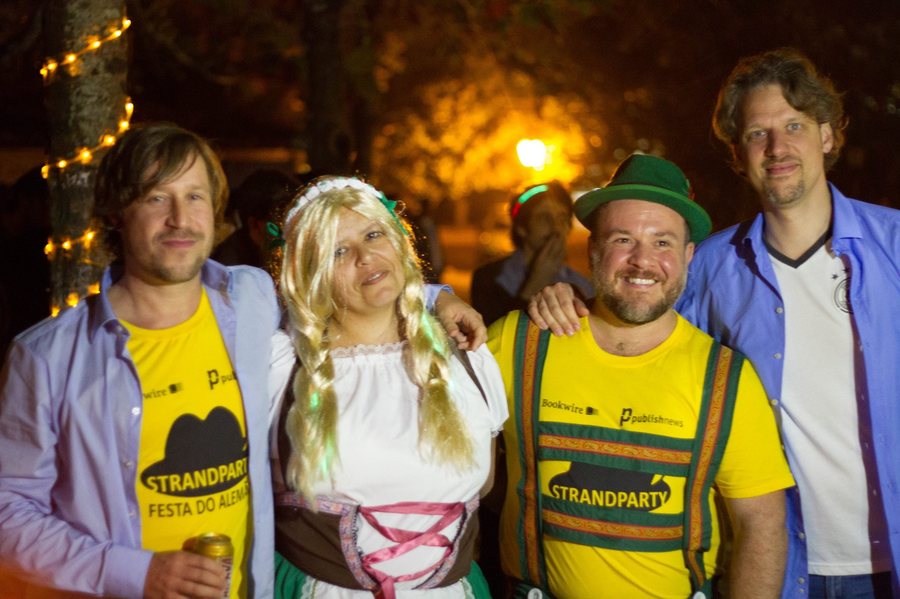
<point x="431" y="293"/>
<point x="126" y="571"/>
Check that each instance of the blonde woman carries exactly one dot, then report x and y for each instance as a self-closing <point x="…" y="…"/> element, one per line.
<point x="386" y="445"/>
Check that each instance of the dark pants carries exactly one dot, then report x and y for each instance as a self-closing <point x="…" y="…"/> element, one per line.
<point x="862" y="586"/>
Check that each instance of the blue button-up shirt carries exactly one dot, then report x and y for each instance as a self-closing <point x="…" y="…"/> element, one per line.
<point x="70" y="423"/>
<point x="733" y="294"/>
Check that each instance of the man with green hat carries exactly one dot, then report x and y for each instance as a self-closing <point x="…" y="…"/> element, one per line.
<point x="623" y="433"/>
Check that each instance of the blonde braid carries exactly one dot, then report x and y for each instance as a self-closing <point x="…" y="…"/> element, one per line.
<point x="312" y="421"/>
<point x="442" y="431"/>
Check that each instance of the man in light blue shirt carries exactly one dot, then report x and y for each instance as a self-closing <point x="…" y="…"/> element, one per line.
<point x="809" y="290"/>
<point x="72" y="404"/>
<point x="74" y="412"/>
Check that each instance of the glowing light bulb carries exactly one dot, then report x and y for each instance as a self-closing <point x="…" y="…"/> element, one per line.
<point x="67" y="245"/>
<point x="69" y="59"/>
<point x="54" y="311"/>
<point x="88" y="239"/>
<point x="109" y="140"/>
<point x="62" y="164"/>
<point x="49" y="248"/>
<point x="72" y="299"/>
<point x="93" y="289"/>
<point x="532" y="153"/>
<point x="85" y="155"/>
<point x="45" y="171"/>
<point x="123" y="125"/>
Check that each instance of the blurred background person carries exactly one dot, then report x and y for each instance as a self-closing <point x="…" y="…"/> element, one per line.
<point x="255" y="202"/>
<point x="541" y="219"/>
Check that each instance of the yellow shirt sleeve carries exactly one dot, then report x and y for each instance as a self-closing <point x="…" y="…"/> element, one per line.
<point x="753" y="463"/>
<point x="501" y="338"/>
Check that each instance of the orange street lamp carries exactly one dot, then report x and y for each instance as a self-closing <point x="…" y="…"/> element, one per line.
<point x="532" y="153"/>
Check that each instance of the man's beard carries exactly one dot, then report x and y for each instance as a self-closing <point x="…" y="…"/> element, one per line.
<point x="169" y="272"/>
<point x="635" y="312"/>
<point x="180" y="274"/>
<point x="787" y="194"/>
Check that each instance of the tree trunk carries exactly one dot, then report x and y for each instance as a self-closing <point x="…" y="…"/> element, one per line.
<point x="85" y="101"/>
<point x="330" y="144"/>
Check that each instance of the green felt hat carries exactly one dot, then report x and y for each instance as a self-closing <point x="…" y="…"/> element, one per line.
<point x="652" y="179"/>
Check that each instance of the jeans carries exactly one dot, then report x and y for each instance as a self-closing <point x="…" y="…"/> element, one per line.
<point x="860" y="586"/>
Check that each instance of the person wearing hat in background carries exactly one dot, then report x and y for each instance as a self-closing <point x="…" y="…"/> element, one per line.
<point x="619" y="433"/>
<point x="541" y="221"/>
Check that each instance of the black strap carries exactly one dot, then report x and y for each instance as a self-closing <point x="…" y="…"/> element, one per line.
<point x="467" y="364"/>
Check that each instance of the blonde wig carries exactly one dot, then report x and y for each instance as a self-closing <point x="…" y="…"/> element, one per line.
<point x="307" y="284"/>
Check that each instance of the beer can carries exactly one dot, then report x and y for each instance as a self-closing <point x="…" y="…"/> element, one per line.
<point x="218" y="547"/>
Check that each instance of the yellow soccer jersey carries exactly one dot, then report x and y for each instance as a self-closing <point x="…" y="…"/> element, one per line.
<point x="192" y="466"/>
<point x="658" y="393"/>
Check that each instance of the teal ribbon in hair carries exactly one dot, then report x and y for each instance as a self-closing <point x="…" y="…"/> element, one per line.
<point x="274" y="232"/>
<point x="391" y="207"/>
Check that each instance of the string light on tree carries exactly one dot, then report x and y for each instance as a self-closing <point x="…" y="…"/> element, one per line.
<point x="67" y="243"/>
<point x="93" y="43"/>
<point x="71" y="250"/>
<point x="65" y="246"/>
<point x="86" y="155"/>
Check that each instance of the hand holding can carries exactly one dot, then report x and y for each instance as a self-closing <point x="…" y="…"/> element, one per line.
<point x="218" y="547"/>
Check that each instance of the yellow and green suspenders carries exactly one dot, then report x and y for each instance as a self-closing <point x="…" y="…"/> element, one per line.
<point x="697" y="460"/>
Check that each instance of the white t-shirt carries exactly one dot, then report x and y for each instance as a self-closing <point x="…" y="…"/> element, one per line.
<point x="380" y="462"/>
<point x="820" y="420"/>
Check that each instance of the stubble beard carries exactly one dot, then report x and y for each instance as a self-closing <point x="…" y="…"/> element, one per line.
<point x="632" y="312"/>
<point x="787" y="194"/>
<point x="180" y="274"/>
<point x="184" y="272"/>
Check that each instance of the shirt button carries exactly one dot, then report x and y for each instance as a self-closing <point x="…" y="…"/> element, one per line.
<point x="801" y="580"/>
<point x="801" y="536"/>
<point x="131" y="513"/>
<point x="774" y="402"/>
<point x="135" y="411"/>
<point x="777" y="356"/>
<point x="779" y="310"/>
<point x="128" y="464"/>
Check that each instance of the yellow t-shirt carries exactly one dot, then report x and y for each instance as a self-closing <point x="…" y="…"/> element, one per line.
<point x="192" y="464"/>
<point x="659" y="393"/>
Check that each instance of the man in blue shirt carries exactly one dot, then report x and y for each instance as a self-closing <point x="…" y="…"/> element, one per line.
<point x="809" y="290"/>
<point x="106" y="475"/>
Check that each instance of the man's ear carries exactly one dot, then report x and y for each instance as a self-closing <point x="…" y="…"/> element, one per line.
<point x="826" y="134"/>
<point x="737" y="160"/>
<point x="689" y="252"/>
